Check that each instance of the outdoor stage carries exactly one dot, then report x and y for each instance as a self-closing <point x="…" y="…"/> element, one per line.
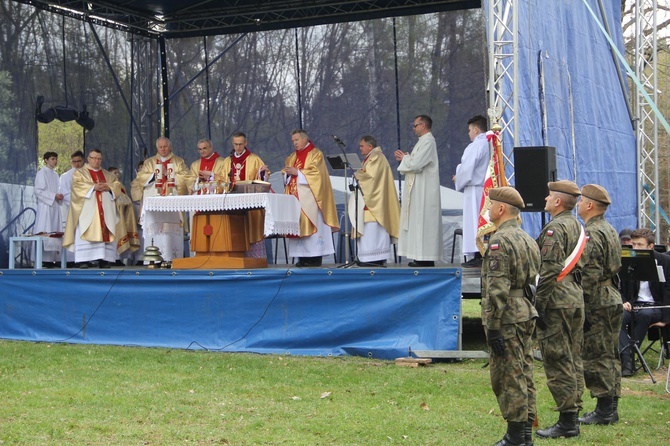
<point x="382" y="313"/>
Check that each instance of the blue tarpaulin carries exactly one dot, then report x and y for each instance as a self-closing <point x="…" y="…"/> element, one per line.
<point x="381" y="313"/>
<point x="583" y="98"/>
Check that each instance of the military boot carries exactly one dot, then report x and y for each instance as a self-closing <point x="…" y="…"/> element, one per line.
<point x="528" y="430"/>
<point x="566" y="426"/>
<point x="514" y="435"/>
<point x="603" y="414"/>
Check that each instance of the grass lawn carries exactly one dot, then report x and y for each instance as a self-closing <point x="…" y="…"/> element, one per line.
<point x="102" y="395"/>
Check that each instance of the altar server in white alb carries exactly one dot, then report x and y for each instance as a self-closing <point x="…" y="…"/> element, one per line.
<point x="469" y="179"/>
<point x="420" y="235"/>
<point x="378" y="207"/>
<point x="48" y="218"/>
<point x="92" y="219"/>
<point x="76" y="162"/>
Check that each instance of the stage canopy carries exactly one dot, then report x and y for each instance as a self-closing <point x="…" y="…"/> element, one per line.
<point x="178" y="18"/>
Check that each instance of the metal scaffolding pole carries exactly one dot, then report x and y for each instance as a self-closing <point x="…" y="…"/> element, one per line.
<point x="503" y="69"/>
<point x="646" y="132"/>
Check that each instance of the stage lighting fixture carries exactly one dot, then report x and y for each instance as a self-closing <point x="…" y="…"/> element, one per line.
<point x="66" y="114"/>
<point x="46" y="116"/>
<point x="84" y="120"/>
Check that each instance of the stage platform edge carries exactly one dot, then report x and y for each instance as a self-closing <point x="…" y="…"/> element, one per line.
<point x="379" y="313"/>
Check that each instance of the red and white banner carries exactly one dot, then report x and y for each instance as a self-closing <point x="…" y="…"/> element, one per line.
<point x="495" y="177"/>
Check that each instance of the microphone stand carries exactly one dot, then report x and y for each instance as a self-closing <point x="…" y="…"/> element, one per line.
<point x="347" y="233"/>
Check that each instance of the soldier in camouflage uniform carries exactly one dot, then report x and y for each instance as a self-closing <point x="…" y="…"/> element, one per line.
<point x="603" y="307"/>
<point x="511" y="264"/>
<point x="560" y="307"/>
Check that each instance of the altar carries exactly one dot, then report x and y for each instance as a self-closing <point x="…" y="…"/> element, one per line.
<point x="219" y="233"/>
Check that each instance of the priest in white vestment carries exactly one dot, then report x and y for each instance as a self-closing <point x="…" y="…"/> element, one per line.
<point x="48" y="213"/>
<point x="420" y="235"/>
<point x="76" y="162"/>
<point x="469" y="179"/>
<point x="376" y="221"/>
<point x="93" y="217"/>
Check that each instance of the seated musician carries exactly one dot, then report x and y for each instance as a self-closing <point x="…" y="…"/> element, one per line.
<point x="641" y="300"/>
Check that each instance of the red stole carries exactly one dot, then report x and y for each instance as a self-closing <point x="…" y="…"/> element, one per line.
<point x="238" y="166"/>
<point x="299" y="162"/>
<point x="163" y="186"/>
<point x="99" y="177"/>
<point x="207" y="164"/>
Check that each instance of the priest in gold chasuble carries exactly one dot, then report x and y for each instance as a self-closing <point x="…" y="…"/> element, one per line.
<point x="242" y="165"/>
<point x="92" y="217"/>
<point x="378" y="206"/>
<point x="306" y="177"/>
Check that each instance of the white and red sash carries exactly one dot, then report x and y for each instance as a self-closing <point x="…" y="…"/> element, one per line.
<point x="572" y="260"/>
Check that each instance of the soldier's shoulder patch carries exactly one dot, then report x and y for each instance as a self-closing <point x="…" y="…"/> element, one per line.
<point x="494" y="247"/>
<point x="494" y="265"/>
<point x="550" y="233"/>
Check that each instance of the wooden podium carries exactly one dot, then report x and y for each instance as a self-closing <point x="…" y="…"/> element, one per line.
<point x="220" y="240"/>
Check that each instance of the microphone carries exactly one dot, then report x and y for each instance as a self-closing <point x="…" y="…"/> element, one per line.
<point x="338" y="140"/>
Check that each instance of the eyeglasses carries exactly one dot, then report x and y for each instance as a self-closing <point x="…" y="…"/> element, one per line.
<point x="95" y="158"/>
<point x="202" y="148"/>
<point x="416" y="125"/>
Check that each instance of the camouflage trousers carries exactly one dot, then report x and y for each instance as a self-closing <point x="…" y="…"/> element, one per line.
<point x="512" y="373"/>
<point x="561" y="345"/>
<point x="600" y="354"/>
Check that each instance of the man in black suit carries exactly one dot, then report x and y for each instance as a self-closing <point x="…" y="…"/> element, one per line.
<point x="640" y="295"/>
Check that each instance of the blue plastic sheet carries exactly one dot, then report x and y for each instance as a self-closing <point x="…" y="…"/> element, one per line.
<point x="584" y="100"/>
<point x="301" y="312"/>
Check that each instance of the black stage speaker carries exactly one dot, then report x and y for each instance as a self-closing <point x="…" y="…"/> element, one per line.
<point x="534" y="167"/>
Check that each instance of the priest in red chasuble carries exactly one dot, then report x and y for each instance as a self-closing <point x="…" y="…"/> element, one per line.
<point x="306" y="177"/>
<point x="92" y="217"/>
<point x="242" y="165"/>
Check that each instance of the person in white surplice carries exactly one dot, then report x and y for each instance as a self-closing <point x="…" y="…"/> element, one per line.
<point x="420" y="235"/>
<point x="76" y="161"/>
<point x="469" y="179"/>
<point x="48" y="216"/>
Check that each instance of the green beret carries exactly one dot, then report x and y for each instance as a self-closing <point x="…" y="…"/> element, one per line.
<point x="507" y="195"/>
<point x="565" y="186"/>
<point x="597" y="193"/>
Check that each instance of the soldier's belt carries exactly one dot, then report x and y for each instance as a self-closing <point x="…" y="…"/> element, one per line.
<point x="516" y="293"/>
<point x="606" y="282"/>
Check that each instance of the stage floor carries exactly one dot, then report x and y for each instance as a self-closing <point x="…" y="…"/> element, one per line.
<point x="377" y="312"/>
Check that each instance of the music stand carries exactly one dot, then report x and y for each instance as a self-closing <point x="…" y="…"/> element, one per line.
<point x="639" y="265"/>
<point x="345" y="161"/>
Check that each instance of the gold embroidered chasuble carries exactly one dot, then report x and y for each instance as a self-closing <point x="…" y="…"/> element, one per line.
<point x="380" y="199"/>
<point x="315" y="196"/>
<point x="96" y="212"/>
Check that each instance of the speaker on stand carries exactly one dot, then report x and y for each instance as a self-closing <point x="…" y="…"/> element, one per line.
<point x="534" y="167"/>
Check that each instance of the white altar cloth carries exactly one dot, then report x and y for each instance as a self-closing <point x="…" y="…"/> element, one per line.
<point x="282" y="212"/>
